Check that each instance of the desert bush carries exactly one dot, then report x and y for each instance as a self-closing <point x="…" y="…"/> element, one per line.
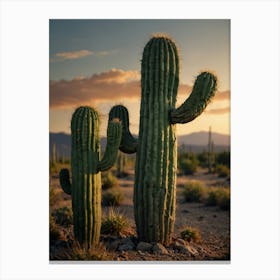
<point x="223" y="158"/>
<point x="219" y="197"/>
<point x="63" y="216"/>
<point x="52" y="167"/>
<point x="203" y="159"/>
<point x="79" y="253"/>
<point x="114" y="223"/>
<point x="188" y="163"/>
<point x="54" y="195"/>
<point x="55" y="233"/>
<point x="211" y="199"/>
<point x="190" y="234"/>
<point x="188" y="167"/>
<point x="194" y="191"/>
<point x="109" y="180"/>
<point x="112" y="197"/>
<point x="224" y="200"/>
<point x="222" y="171"/>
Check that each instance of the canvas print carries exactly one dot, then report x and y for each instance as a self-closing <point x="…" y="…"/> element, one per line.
<point x="139" y="150"/>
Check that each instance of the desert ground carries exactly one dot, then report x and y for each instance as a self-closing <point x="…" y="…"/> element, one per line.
<point x="211" y="222"/>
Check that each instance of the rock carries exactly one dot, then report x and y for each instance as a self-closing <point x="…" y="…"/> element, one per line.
<point x="160" y="249"/>
<point x="141" y="253"/>
<point x="181" y="249"/>
<point x="114" y="245"/>
<point x="181" y="246"/>
<point x="123" y="256"/>
<point x="144" y="246"/>
<point x="191" y="250"/>
<point x="126" y="245"/>
<point x="61" y="243"/>
<point x="181" y="241"/>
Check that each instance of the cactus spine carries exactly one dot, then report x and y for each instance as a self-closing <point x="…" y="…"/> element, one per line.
<point x="86" y="176"/>
<point x="156" y="159"/>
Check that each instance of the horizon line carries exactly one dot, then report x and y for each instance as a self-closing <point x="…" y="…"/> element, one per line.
<point x="206" y="131"/>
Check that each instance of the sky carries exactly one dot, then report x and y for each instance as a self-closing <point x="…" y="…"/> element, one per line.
<point x="98" y="62"/>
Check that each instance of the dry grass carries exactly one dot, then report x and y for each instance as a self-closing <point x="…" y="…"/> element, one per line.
<point x="190" y="234"/>
<point x="114" y="223"/>
<point x="77" y="252"/>
<point x="112" y="197"/>
<point x="194" y="191"/>
<point x="109" y="180"/>
<point x="219" y="196"/>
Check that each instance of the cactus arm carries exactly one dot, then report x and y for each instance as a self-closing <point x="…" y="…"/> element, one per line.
<point x="114" y="135"/>
<point x="128" y="143"/>
<point x="204" y="89"/>
<point x="64" y="180"/>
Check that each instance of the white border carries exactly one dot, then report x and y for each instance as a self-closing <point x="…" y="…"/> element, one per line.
<point x="254" y="123"/>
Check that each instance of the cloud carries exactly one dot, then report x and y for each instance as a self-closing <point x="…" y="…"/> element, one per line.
<point x="62" y="56"/>
<point x="72" y="55"/>
<point x="222" y="95"/>
<point x="219" y="111"/>
<point x="115" y="84"/>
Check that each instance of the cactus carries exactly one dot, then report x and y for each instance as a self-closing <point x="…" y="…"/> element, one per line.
<point x="121" y="165"/>
<point x="86" y="176"/>
<point x="54" y="154"/>
<point x="156" y="158"/>
<point x="210" y="154"/>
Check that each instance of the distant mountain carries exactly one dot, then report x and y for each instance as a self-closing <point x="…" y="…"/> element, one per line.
<point x="201" y="139"/>
<point x="62" y="142"/>
<point x="195" y="142"/>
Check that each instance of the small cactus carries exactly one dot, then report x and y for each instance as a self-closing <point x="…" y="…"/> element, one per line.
<point x="121" y="164"/>
<point x="86" y="176"/>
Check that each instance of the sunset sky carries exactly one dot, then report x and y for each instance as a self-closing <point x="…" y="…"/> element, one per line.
<point x="97" y="63"/>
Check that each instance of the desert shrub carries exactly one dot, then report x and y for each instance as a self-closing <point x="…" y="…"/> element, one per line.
<point x="188" y="167"/>
<point x="63" y="216"/>
<point x="55" y="233"/>
<point x="114" y="223"/>
<point x="112" y="197"/>
<point x="203" y="159"/>
<point x="188" y="163"/>
<point x="52" y="167"/>
<point x="222" y="171"/>
<point x="54" y="195"/>
<point x="109" y="180"/>
<point x="219" y="197"/>
<point x="224" y="200"/>
<point x="79" y="253"/>
<point x="190" y="234"/>
<point x="211" y="199"/>
<point x="194" y="191"/>
<point x="223" y="158"/>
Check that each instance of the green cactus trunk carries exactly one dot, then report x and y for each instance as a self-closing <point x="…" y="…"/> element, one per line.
<point x="86" y="176"/>
<point x="86" y="180"/>
<point x="156" y="160"/>
<point x="156" y="148"/>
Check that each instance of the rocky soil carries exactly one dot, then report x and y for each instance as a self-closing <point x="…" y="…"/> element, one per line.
<point x="212" y="223"/>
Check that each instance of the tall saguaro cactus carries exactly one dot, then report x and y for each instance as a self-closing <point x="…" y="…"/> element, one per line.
<point x="156" y="159"/>
<point x="86" y="166"/>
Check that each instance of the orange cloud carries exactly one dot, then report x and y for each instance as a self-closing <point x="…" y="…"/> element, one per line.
<point x="219" y="111"/>
<point x="115" y="84"/>
<point x="222" y="95"/>
<point x="61" y="56"/>
<point x="73" y="55"/>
